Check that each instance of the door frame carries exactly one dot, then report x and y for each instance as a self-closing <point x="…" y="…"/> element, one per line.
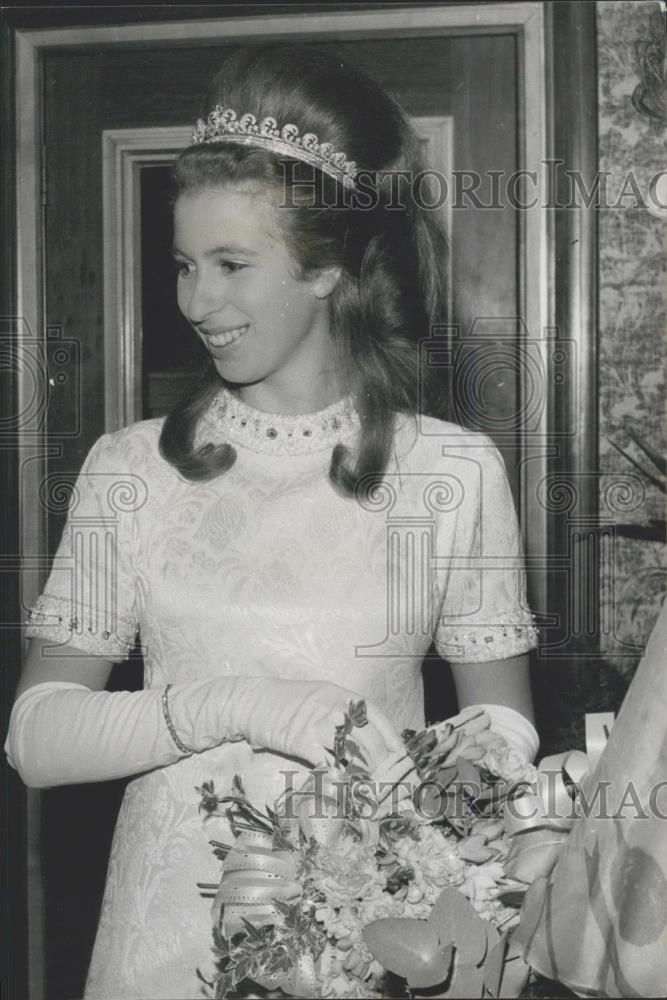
<point x="557" y="119"/>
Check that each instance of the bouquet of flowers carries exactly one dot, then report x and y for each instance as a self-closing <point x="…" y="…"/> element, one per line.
<point x="457" y="868"/>
<point x="359" y="884"/>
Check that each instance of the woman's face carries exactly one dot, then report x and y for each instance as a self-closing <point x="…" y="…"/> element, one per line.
<point x="266" y="330"/>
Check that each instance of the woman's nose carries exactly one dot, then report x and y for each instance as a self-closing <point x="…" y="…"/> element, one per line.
<point x="202" y="297"/>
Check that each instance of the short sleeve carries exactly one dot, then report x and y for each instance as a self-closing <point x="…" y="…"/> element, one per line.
<point x="89" y="601"/>
<point x="484" y="614"/>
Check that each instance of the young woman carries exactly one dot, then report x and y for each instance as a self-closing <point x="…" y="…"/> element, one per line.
<point x="293" y="535"/>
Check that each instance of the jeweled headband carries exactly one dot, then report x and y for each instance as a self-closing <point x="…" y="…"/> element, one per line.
<point x="223" y="125"/>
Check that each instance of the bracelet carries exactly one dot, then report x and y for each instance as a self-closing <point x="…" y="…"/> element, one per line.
<point x="180" y="745"/>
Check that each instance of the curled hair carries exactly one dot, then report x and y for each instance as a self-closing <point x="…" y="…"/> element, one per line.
<point x="391" y="253"/>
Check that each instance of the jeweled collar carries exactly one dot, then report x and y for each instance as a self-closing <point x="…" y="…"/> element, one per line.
<point x="230" y="419"/>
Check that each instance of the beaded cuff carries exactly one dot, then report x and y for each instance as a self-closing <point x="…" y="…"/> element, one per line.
<point x="476" y="644"/>
<point x="53" y="617"/>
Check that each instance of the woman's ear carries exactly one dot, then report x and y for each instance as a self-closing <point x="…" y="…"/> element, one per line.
<point x="325" y="281"/>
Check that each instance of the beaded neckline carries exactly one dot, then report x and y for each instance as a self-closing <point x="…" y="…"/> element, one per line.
<point x="230" y="419"/>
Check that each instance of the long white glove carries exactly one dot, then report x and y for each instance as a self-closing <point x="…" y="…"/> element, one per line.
<point x="62" y="733"/>
<point x="513" y="727"/>
<point x="397" y="770"/>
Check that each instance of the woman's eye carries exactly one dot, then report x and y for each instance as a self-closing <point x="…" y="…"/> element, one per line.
<point x="185" y="270"/>
<point x="182" y="269"/>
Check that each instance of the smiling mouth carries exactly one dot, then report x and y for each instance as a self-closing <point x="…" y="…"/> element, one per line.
<point x="223" y="339"/>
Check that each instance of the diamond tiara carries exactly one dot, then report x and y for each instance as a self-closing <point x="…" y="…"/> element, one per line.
<point x="223" y="125"/>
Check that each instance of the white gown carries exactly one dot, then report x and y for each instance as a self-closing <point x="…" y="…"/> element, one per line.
<point x="267" y="570"/>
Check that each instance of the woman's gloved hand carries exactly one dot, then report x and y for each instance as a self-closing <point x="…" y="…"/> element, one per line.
<point x="514" y="727"/>
<point x="63" y="733"/>
<point x="397" y="777"/>
<point x="299" y="718"/>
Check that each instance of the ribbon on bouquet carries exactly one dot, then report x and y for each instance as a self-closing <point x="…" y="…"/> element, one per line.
<point x="304" y="978"/>
<point x="255" y="874"/>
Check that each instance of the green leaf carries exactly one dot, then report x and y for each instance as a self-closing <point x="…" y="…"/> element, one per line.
<point x="453" y="813"/>
<point x="356" y="713"/>
<point x="272" y="815"/>
<point x="493" y="967"/>
<point x="456" y="922"/>
<point x="474" y="849"/>
<point x="438" y="969"/>
<point x="254" y="933"/>
<point x="356" y="773"/>
<point x="512" y="895"/>
<point x="292" y="914"/>
<point x="467" y="981"/>
<point x="469" y="776"/>
<point x="410" y="948"/>
<point x="242" y="969"/>
<point x="420" y="745"/>
<point x="515" y="972"/>
<point x="223" y="986"/>
<point x="222" y="945"/>
<point x="203" y="978"/>
<point x="446" y="775"/>
<point x="278" y="962"/>
<point x="494" y="792"/>
<point x="352" y="749"/>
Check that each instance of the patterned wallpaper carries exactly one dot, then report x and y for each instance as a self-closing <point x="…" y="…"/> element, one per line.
<point x="633" y="331"/>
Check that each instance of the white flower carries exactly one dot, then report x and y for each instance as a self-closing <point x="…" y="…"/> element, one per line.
<point x="481" y="882"/>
